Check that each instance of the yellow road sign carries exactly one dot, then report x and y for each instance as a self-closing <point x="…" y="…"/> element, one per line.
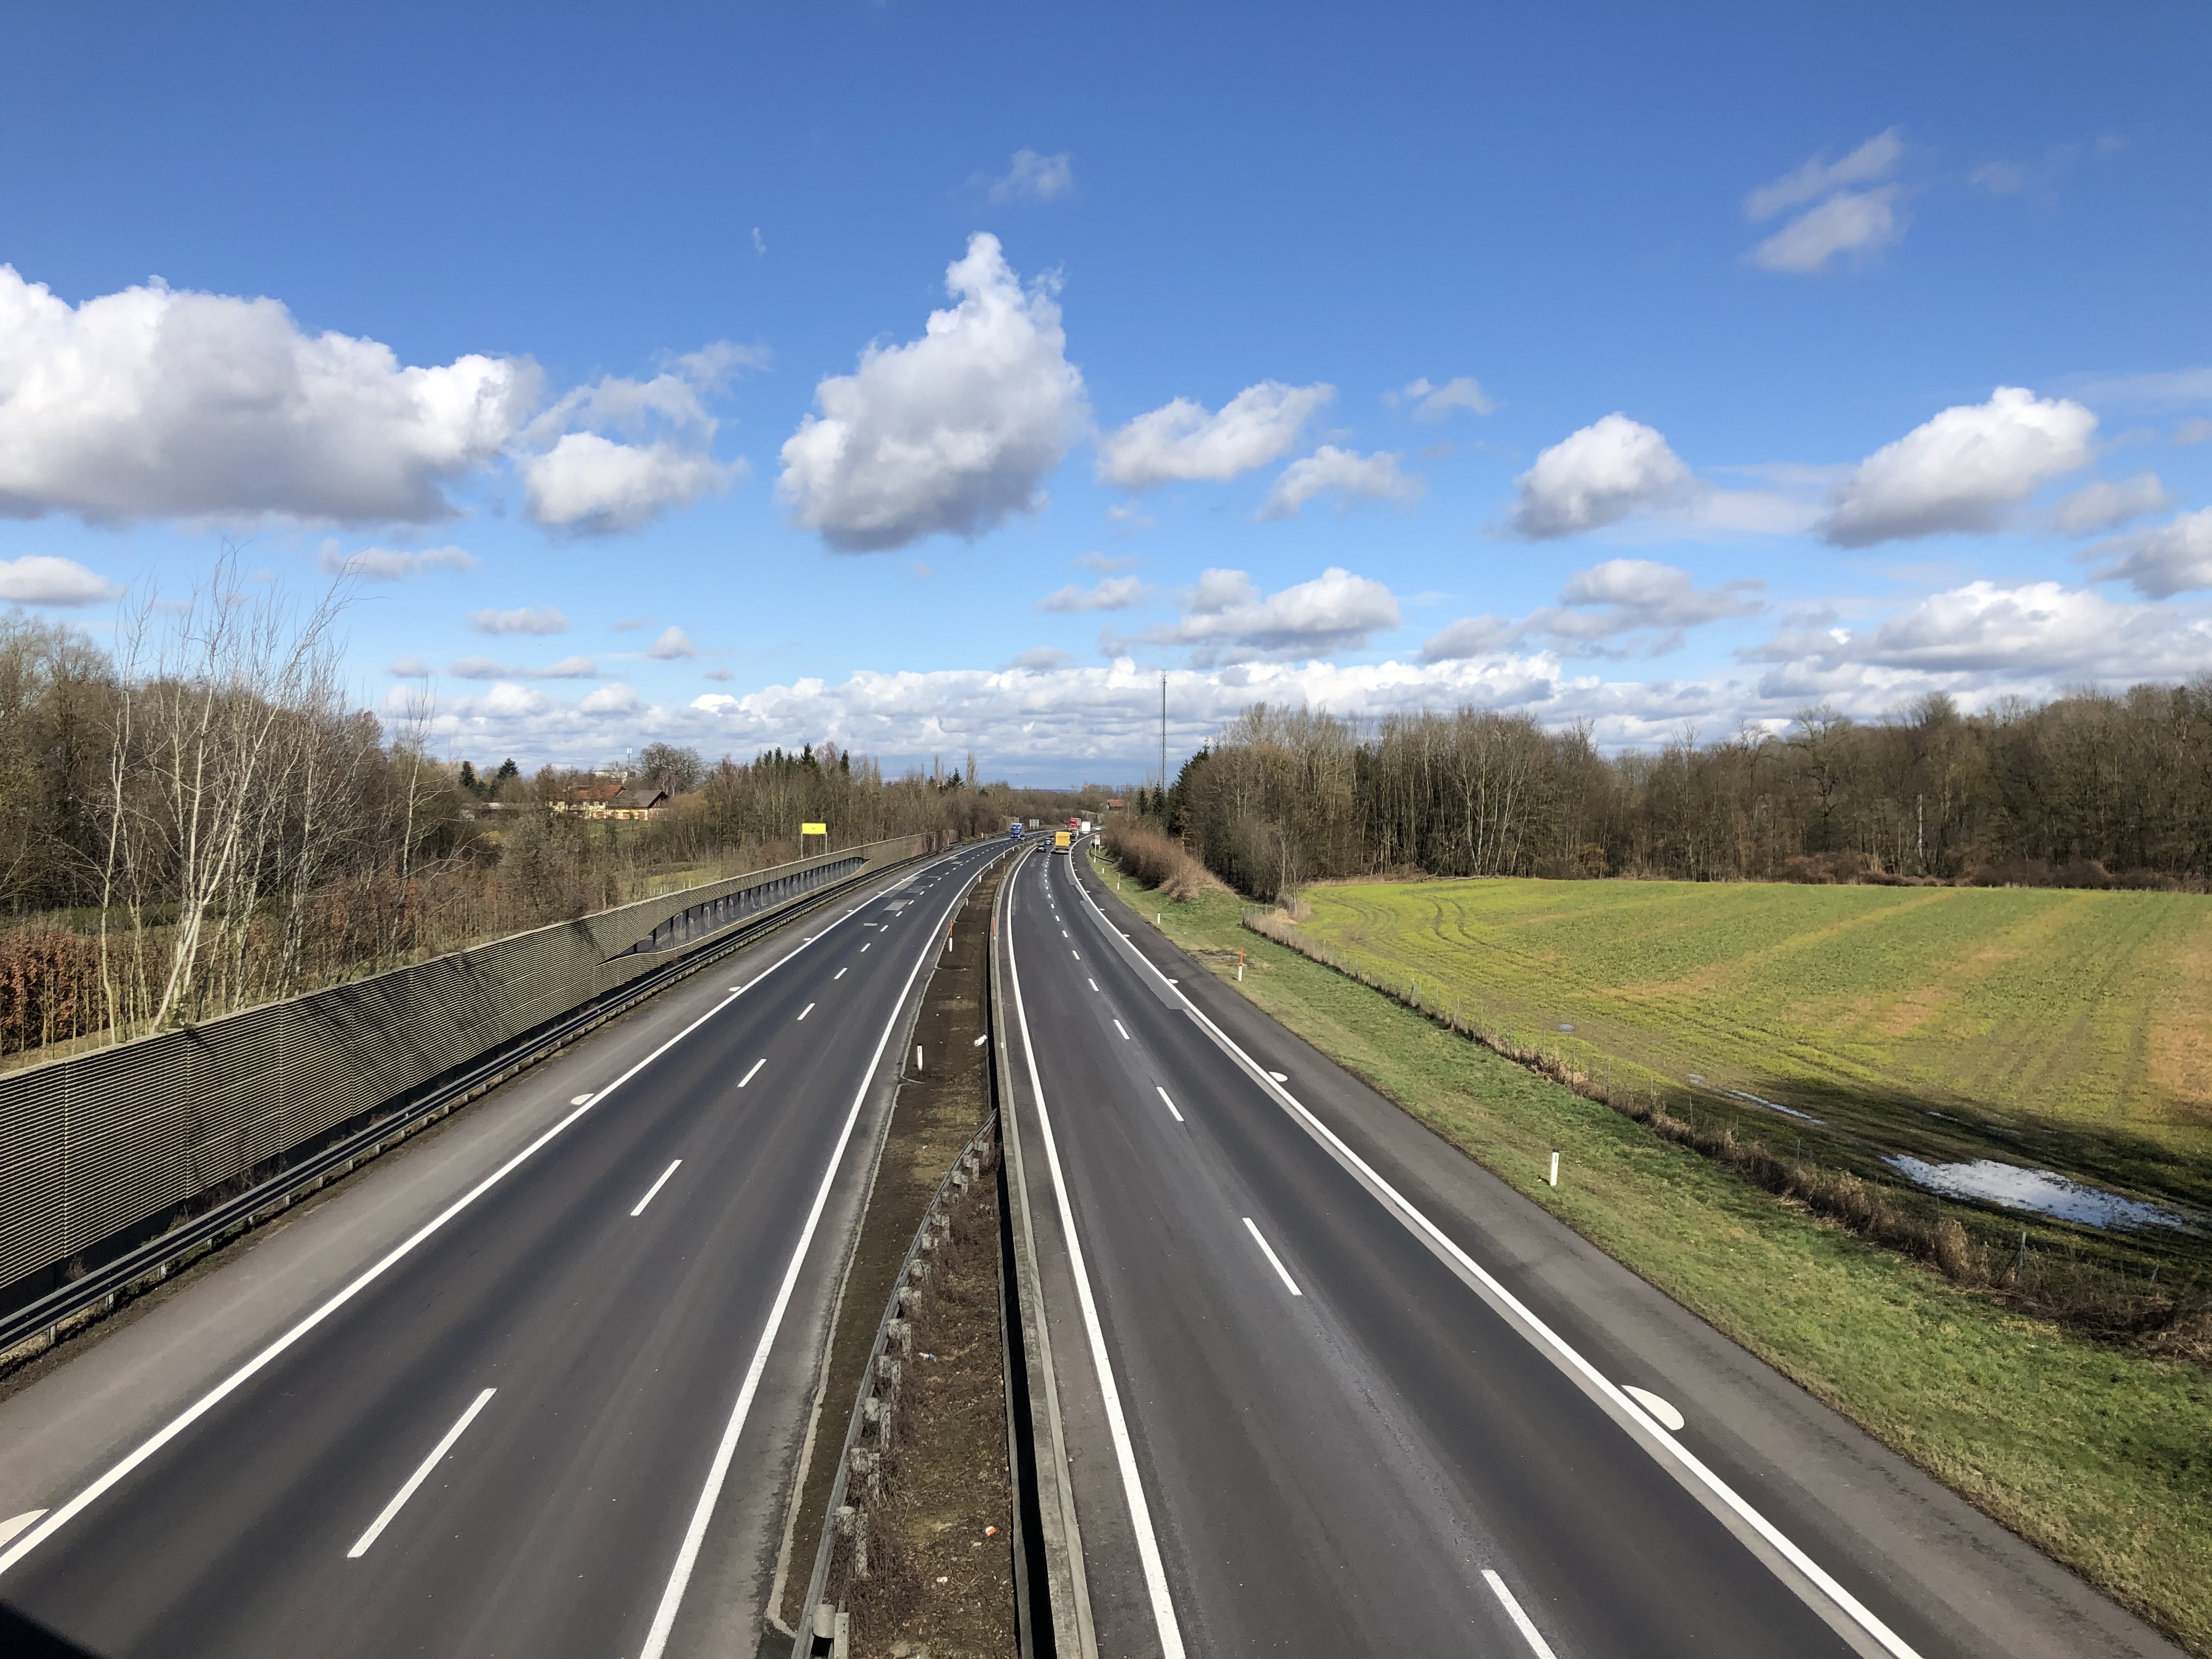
<point x="813" y="829"/>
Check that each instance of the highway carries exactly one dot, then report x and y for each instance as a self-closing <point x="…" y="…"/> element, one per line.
<point x="1304" y="1417"/>
<point x="524" y="1417"/>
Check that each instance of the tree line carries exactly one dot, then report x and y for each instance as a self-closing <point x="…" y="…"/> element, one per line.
<point x="2088" y="789"/>
<point x="198" y="820"/>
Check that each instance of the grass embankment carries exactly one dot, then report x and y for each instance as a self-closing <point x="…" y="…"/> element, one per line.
<point x="2104" y="1459"/>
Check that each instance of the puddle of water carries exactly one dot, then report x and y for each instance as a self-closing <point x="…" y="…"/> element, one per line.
<point x="2037" y="1190"/>
<point x="1775" y="1106"/>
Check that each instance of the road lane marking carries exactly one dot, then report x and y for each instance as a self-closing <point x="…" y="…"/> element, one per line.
<point x="1273" y="1261"/>
<point x="655" y="1188"/>
<point x="1125" y="1454"/>
<point x="1171" y="1104"/>
<point x="864" y="947"/>
<point x="1078" y="955"/>
<point x="752" y="1070"/>
<point x="841" y="972"/>
<point x="1280" y="1077"/>
<point x="399" y="1499"/>
<point x="14" y="1524"/>
<point x="1690" y="1469"/>
<point x="1094" y="985"/>
<point x="207" y="1402"/>
<point x="803" y="1012"/>
<point x="581" y="1100"/>
<point x="694" y="1535"/>
<point x="1528" y="1633"/>
<point x="1122" y="1029"/>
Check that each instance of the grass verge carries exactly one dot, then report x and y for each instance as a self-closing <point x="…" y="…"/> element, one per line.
<point x="2102" y="1459"/>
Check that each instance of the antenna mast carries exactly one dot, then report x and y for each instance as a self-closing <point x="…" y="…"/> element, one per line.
<point x="1164" y="735"/>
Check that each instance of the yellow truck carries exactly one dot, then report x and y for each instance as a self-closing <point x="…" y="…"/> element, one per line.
<point x="1061" y="840"/>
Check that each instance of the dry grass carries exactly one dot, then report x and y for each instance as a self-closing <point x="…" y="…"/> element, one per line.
<point x="1158" y="861"/>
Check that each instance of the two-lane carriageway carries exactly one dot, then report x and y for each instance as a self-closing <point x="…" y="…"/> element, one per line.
<point x="511" y="1431"/>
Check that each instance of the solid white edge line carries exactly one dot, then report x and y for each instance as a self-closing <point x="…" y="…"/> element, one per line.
<point x="214" y="1396"/>
<point x="1521" y="1620"/>
<point x="1171" y="1104"/>
<point x="1125" y="1454"/>
<point x="694" y="1535"/>
<point x="422" y="1473"/>
<point x="1544" y="1336"/>
<point x="655" y="1188"/>
<point x="752" y="1070"/>
<point x="1273" y="1261"/>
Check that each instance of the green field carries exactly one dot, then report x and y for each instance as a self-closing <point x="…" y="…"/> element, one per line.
<point x="2103" y="1458"/>
<point x="2067" y="1029"/>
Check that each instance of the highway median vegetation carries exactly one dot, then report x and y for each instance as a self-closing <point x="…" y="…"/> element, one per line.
<point x="2096" y="1448"/>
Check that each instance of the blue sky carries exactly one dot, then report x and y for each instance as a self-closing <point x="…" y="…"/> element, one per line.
<point x="1627" y="365"/>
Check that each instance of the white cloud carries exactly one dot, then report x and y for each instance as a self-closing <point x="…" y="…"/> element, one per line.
<point x="483" y="668"/>
<point x="1965" y="469"/>
<point x="2032" y="637"/>
<point x="1620" y="598"/>
<point x="2195" y="431"/>
<point x="155" y="403"/>
<point x="1105" y="565"/>
<point x="2172" y="558"/>
<point x="1356" y="477"/>
<point x="2106" y="506"/>
<point x="1179" y="442"/>
<point x="410" y="668"/>
<point x="2000" y="177"/>
<point x="1845" y="220"/>
<point x="1598" y="476"/>
<point x="2159" y="389"/>
<point x="1874" y="159"/>
<point x="949" y="433"/>
<point x="384" y="564"/>
<point x="525" y="619"/>
<point x="1034" y="178"/>
<point x="760" y="243"/>
<point x="1042" y="659"/>
<point x="1438" y="402"/>
<point x="1225" y="618"/>
<point x="41" y="579"/>
<point x="1115" y="594"/>
<point x="1855" y="222"/>
<point x="595" y="486"/>
<point x="674" y="645"/>
<point x="615" y="699"/>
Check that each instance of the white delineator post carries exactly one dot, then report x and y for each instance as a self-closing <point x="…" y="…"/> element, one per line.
<point x="1555" y="1169"/>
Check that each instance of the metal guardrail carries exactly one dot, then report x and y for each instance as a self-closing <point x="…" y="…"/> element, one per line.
<point x="177" y="1061"/>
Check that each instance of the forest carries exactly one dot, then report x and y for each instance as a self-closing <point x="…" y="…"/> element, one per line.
<point x="200" y="821"/>
<point x="2089" y="789"/>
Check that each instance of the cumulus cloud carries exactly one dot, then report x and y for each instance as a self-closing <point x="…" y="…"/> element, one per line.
<point x="2158" y="390"/>
<point x="1655" y="603"/>
<point x="1354" y="477"/>
<point x="953" y="433"/>
<point x="615" y="699"/>
<point x="674" y="645"/>
<point x="1439" y="402"/>
<point x="157" y="403"/>
<point x="2106" y="506"/>
<point x="524" y="619"/>
<point x="1034" y="178"/>
<point x="1965" y="469"/>
<point x="594" y="486"/>
<point x="1225" y="618"/>
<point x="41" y="579"/>
<point x="1105" y="565"/>
<point x="483" y="668"/>
<point x="1598" y="477"/>
<point x="384" y="564"/>
<point x="1115" y="594"/>
<point x="2172" y="558"/>
<point x="2032" y="635"/>
<point x="1179" y="442"/>
<point x="1042" y="660"/>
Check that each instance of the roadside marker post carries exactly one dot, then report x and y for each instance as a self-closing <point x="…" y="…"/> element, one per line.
<point x="1555" y="1169"/>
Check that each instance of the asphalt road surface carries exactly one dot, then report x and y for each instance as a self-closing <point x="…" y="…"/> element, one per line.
<point x="510" y="1429"/>
<point x="1305" y="1418"/>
